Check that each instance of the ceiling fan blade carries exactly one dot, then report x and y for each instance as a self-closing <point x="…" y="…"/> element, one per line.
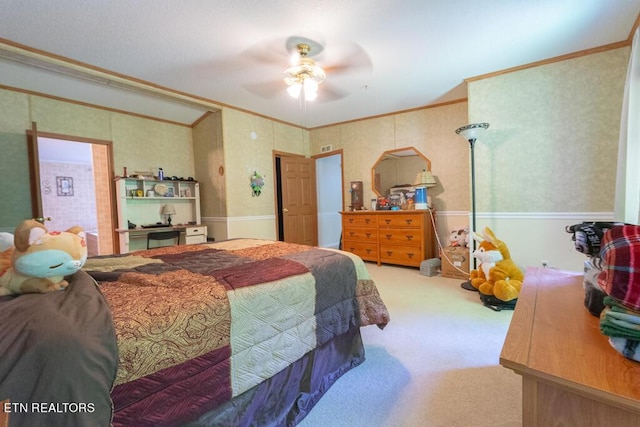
<point x="353" y="57"/>
<point x="328" y="92"/>
<point x="267" y="90"/>
<point x="270" y="51"/>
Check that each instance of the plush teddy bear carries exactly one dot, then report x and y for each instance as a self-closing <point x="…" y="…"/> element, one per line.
<point x="496" y="274"/>
<point x="459" y="237"/>
<point x="35" y="260"/>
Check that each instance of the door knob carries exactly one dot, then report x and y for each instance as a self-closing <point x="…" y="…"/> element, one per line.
<point x="285" y="210"/>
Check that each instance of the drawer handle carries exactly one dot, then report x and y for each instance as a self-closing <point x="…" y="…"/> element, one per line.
<point x="350" y="220"/>
<point x="194" y="230"/>
<point x="368" y="251"/>
<point x="410" y="255"/>
<point x="409" y="238"/>
<point x="388" y="221"/>
<point x="367" y="220"/>
<point x="408" y="221"/>
<point x="368" y="235"/>
<point x="388" y="236"/>
<point x="351" y="233"/>
<point x="389" y="253"/>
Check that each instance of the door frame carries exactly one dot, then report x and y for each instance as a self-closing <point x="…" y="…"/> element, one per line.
<point x="34" y="174"/>
<point x="276" y="155"/>
<point x="276" y="194"/>
<point x="339" y="153"/>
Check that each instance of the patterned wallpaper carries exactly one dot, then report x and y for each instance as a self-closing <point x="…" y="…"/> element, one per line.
<point x="551" y="146"/>
<point x="430" y="130"/>
<point x="209" y="165"/>
<point x="243" y="155"/>
<point x="139" y="144"/>
<point x="74" y="208"/>
<point x="552" y="141"/>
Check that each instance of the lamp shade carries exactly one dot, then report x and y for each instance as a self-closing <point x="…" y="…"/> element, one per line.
<point x="471" y="132"/>
<point x="168" y="210"/>
<point x="425" y="179"/>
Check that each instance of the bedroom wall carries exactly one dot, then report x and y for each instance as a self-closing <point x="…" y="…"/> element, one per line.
<point x="140" y="144"/>
<point x="549" y="158"/>
<point x="14" y="161"/>
<point x="246" y="215"/>
<point x="547" y="161"/>
<point x="431" y="131"/>
<point x="208" y="150"/>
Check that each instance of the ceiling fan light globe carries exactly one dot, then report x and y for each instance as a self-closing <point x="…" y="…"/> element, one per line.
<point x="305" y="76"/>
<point x="310" y="89"/>
<point x="294" y="89"/>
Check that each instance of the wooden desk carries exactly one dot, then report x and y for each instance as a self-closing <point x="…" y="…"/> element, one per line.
<point x="570" y="374"/>
<point x="136" y="238"/>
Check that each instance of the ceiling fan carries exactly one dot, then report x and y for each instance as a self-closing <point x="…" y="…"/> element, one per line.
<point x="305" y="79"/>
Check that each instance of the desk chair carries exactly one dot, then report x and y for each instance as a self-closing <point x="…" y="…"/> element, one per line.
<point x="164" y="235"/>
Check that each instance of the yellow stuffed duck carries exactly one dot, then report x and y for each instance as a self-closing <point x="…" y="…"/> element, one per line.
<point x="35" y="260"/>
<point x="496" y="274"/>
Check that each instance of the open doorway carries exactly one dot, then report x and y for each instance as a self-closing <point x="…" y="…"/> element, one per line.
<point x="74" y="184"/>
<point x="329" y="180"/>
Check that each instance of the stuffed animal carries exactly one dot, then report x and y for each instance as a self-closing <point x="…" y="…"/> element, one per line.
<point x="459" y="237"/>
<point x="257" y="181"/>
<point x="35" y="260"/>
<point x="496" y="274"/>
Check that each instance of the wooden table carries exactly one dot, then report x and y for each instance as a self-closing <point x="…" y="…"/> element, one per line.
<point x="571" y="376"/>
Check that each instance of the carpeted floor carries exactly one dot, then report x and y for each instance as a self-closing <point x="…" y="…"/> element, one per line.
<point x="435" y="364"/>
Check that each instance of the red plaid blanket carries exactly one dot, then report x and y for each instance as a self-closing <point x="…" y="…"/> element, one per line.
<point x="620" y="254"/>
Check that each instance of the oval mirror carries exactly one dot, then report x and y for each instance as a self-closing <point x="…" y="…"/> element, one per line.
<point x="397" y="168"/>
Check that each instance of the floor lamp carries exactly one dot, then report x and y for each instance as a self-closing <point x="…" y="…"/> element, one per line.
<point x="470" y="133"/>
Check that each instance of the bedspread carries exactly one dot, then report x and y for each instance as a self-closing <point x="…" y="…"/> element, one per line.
<point x="58" y="356"/>
<point x="197" y="325"/>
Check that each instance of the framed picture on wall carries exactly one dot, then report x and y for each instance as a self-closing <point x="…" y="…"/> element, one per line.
<point x="64" y="185"/>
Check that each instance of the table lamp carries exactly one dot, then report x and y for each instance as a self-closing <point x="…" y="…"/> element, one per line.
<point x="168" y="210"/>
<point x="423" y="181"/>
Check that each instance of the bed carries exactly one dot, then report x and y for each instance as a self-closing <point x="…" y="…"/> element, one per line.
<point x="238" y="332"/>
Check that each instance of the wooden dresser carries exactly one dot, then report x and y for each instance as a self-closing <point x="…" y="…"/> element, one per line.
<point x="390" y="237"/>
<point x="570" y="374"/>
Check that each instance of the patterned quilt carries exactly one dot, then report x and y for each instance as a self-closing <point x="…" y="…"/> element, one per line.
<point x="197" y="325"/>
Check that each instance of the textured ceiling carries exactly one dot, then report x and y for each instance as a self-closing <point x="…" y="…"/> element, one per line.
<point x="402" y="54"/>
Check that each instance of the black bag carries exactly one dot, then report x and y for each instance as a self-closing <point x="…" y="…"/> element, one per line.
<point x="587" y="237"/>
<point x="497" y="304"/>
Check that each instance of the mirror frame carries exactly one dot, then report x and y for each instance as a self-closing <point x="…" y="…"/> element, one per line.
<point x="385" y="154"/>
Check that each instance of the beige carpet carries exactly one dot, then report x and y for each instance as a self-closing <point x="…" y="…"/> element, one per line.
<point x="435" y="364"/>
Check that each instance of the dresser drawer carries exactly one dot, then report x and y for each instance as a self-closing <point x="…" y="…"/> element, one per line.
<point x="401" y="220"/>
<point x="368" y="235"/>
<point x="195" y="231"/>
<point x="190" y="240"/>
<point x="366" y="251"/>
<point x="404" y="255"/>
<point x="359" y="221"/>
<point x="401" y="236"/>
